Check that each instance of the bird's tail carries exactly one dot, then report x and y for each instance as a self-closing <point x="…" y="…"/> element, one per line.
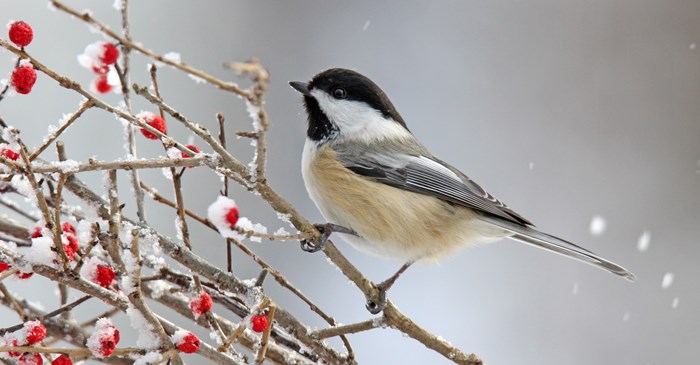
<point x="548" y="242"/>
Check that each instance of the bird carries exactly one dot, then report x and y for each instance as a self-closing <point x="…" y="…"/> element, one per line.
<point x="384" y="192"/>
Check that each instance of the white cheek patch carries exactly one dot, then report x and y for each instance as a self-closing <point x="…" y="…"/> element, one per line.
<point x="357" y="120"/>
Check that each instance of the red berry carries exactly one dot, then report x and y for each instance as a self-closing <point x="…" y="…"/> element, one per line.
<point x="36" y="232"/>
<point x="104" y="275"/>
<point x="154" y="121"/>
<point x="23" y="275"/>
<point x="101" y="85"/>
<point x="21" y="33"/>
<point x="34" y="331"/>
<point x="67" y="227"/>
<point x="259" y="323"/>
<point x="23" y="78"/>
<point x="232" y="216"/>
<point x="109" y="343"/>
<point x="30" y="358"/>
<point x="193" y="148"/>
<point x="190" y="343"/>
<point x="104" y="338"/>
<point x="3" y="266"/>
<point x="8" y="153"/>
<point x="109" y="54"/>
<point x="72" y="245"/>
<point x="200" y="303"/>
<point x="70" y="253"/>
<point x="62" y="360"/>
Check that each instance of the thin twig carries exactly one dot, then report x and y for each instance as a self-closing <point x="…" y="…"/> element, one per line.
<point x="347" y="329"/>
<point x="264" y="340"/>
<point x="241" y="326"/>
<point x="41" y="200"/>
<point x="272" y="237"/>
<point x="86" y="17"/>
<point x="155" y="163"/>
<point x="228" y="159"/>
<point x="13" y="303"/>
<point x="73" y="85"/>
<point x="224" y="190"/>
<point x="63" y="309"/>
<point x="85" y="105"/>
<point x="72" y="352"/>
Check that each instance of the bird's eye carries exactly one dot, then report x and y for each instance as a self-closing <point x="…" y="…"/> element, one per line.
<point x="339" y="93"/>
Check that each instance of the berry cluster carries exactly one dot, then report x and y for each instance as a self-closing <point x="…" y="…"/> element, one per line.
<point x="33" y="332"/>
<point x="100" y="57"/>
<point x="24" y="76"/>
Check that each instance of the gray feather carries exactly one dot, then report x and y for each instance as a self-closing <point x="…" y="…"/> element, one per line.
<point x="546" y="241"/>
<point x="418" y="171"/>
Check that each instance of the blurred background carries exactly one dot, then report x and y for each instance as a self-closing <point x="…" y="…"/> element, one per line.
<point x="565" y="110"/>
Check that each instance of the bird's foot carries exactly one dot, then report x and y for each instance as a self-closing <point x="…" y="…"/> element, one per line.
<point x="377" y="302"/>
<point x="326" y="230"/>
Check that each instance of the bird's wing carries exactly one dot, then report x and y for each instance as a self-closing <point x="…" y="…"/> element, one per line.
<point x="430" y="176"/>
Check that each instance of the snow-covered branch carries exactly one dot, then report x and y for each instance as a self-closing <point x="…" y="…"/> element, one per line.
<point x="91" y="249"/>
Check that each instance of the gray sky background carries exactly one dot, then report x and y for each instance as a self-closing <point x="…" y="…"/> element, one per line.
<point x="565" y="110"/>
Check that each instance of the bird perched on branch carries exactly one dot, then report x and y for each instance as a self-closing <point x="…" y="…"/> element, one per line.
<point x="386" y="194"/>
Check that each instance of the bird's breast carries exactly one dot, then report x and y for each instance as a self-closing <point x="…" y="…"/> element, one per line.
<point x="391" y="222"/>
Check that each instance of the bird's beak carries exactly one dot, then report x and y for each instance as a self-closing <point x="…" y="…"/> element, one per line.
<point x="301" y="87"/>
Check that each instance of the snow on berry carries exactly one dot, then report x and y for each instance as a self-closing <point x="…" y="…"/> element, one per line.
<point x="98" y="56"/>
<point x="30" y="358"/>
<point x="7" y="152"/>
<point x="104" y="338"/>
<point x="42" y="251"/>
<point x="193" y="148"/>
<point x="34" y="332"/>
<point x="23" y="275"/>
<point x="98" y="271"/>
<point x="23" y="78"/>
<point x="101" y="85"/>
<point x="185" y="341"/>
<point x="200" y="303"/>
<point x="259" y="323"/>
<point x="62" y="360"/>
<point x="21" y="33"/>
<point x="223" y="214"/>
<point x="3" y="266"/>
<point x="154" y="121"/>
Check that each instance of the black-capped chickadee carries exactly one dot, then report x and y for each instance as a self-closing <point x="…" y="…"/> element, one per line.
<point x="379" y="187"/>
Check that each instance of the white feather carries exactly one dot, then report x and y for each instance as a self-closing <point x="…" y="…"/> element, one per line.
<point x="357" y="120"/>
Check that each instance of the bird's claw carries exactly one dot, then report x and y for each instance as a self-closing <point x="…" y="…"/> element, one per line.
<point x="377" y="303"/>
<point x="308" y="246"/>
<point x="326" y="230"/>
